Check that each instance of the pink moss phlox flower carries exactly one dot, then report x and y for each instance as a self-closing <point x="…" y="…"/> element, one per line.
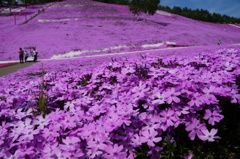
<point x="127" y="70"/>
<point x="209" y="90"/>
<point x="69" y="121"/>
<point x="158" y="98"/>
<point x="41" y="122"/>
<point x="97" y="142"/>
<point x="137" y="140"/>
<point x="169" y="117"/>
<point x="150" y="137"/>
<point x="49" y="150"/>
<point x="115" y="152"/>
<point x="112" y="122"/>
<point x="223" y="91"/>
<point x="70" y="143"/>
<point x="152" y="126"/>
<point x="209" y="99"/>
<point x="235" y="96"/>
<point x="51" y="132"/>
<point x="212" y="116"/>
<point x="94" y="153"/>
<point x="139" y="91"/>
<point x="156" y="73"/>
<point x="24" y="150"/>
<point x="181" y="110"/>
<point x="209" y="136"/>
<point x="171" y="96"/>
<point x="28" y="134"/>
<point x="3" y="132"/>
<point x="196" y="100"/>
<point x="90" y="131"/>
<point x="196" y="128"/>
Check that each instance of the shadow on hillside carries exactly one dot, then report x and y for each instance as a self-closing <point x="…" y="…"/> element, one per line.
<point x="12" y="13"/>
<point x="159" y="23"/>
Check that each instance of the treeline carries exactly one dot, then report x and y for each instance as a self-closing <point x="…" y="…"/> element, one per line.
<point x="200" y="14"/>
<point x="121" y="2"/>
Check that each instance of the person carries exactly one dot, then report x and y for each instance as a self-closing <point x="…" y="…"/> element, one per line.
<point x="25" y="55"/>
<point x="219" y="42"/>
<point x="35" y="54"/>
<point x="20" y="55"/>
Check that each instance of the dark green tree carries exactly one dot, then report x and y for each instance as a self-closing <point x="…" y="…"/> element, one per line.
<point x="144" y="6"/>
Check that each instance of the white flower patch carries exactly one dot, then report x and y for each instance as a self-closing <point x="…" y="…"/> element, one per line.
<point x="163" y="13"/>
<point x="56" y="20"/>
<point x="235" y="25"/>
<point x="152" y="45"/>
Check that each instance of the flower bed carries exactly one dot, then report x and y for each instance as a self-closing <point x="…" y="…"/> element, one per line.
<point x="7" y="64"/>
<point x="137" y="108"/>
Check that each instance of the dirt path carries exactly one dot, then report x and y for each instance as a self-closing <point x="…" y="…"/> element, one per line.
<point x="13" y="68"/>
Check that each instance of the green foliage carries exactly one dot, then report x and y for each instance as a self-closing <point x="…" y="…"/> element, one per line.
<point x="201" y="14"/>
<point x="144" y="6"/>
<point x="121" y="2"/>
<point x="42" y="99"/>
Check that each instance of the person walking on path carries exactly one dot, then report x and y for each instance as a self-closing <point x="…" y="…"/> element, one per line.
<point x="35" y="54"/>
<point x="21" y="55"/>
<point x="25" y="55"/>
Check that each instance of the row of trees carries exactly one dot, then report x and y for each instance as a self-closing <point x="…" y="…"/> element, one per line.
<point x="200" y="14"/>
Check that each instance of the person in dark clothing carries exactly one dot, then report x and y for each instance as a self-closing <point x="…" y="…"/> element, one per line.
<point x="21" y="55"/>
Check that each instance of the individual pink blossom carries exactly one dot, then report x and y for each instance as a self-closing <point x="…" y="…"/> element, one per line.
<point x="169" y="117"/>
<point x="209" y="136"/>
<point x="70" y="143"/>
<point x="152" y="126"/>
<point x="98" y="142"/>
<point x="28" y="134"/>
<point x="195" y="100"/>
<point x="115" y="152"/>
<point x="235" y="97"/>
<point x="158" y="98"/>
<point x="51" y="132"/>
<point x="41" y="122"/>
<point x="137" y="140"/>
<point x="69" y="121"/>
<point x="171" y="95"/>
<point x="212" y="116"/>
<point x="196" y="128"/>
<point x="150" y="137"/>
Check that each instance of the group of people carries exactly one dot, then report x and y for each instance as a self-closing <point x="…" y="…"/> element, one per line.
<point x="23" y="55"/>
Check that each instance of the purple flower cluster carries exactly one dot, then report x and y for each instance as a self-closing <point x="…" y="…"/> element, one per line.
<point x="117" y="108"/>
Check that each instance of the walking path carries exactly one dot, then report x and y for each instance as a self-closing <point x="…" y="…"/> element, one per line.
<point x="13" y="68"/>
<point x="235" y="25"/>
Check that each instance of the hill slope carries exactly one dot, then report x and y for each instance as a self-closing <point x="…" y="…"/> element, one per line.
<point x="77" y="25"/>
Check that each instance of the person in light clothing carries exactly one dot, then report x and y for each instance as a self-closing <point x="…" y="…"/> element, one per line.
<point x="25" y="55"/>
<point x="35" y="54"/>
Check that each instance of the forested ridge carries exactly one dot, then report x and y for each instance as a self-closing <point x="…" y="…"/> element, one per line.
<point x="200" y="14"/>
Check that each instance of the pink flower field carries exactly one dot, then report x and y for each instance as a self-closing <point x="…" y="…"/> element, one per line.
<point x="113" y="85"/>
<point x="92" y="27"/>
